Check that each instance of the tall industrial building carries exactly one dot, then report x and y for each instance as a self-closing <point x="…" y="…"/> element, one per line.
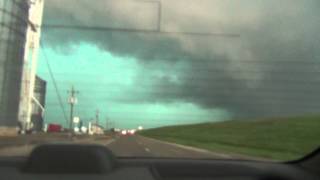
<point x="20" y="23"/>
<point x="38" y="104"/>
<point x="13" y="31"/>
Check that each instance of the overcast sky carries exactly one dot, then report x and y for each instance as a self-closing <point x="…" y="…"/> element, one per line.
<point x="271" y="69"/>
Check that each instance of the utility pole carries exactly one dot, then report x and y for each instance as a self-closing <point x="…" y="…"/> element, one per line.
<point x="72" y="102"/>
<point x="97" y="117"/>
<point x="107" y="126"/>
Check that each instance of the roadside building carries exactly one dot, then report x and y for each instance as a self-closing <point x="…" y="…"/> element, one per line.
<point x="95" y="129"/>
<point x="38" y="104"/>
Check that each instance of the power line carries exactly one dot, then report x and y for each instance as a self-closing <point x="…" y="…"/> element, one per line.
<point x="54" y="82"/>
<point x="243" y="68"/>
<point x="254" y="93"/>
<point x="132" y="30"/>
<point x="218" y="81"/>
<point x="213" y="71"/>
<point x="297" y="108"/>
<point x="157" y="30"/>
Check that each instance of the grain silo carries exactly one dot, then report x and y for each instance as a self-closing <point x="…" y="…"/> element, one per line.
<point x="13" y="28"/>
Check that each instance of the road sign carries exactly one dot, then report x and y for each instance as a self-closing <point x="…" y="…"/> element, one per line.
<point x="76" y="120"/>
<point x="73" y="100"/>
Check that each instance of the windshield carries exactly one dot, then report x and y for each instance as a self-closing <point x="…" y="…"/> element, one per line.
<point x="161" y="78"/>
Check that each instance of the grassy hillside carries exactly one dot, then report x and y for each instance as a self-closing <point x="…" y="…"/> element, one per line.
<point x="279" y="139"/>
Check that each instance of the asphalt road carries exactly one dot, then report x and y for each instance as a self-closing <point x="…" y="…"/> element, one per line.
<point x="138" y="146"/>
<point x="121" y="146"/>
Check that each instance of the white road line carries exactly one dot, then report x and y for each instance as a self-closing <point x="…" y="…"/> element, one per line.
<point x="174" y="150"/>
<point x="148" y="150"/>
<point x="110" y="141"/>
<point x="190" y="148"/>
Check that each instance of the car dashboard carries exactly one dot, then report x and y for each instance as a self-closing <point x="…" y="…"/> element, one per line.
<point x="88" y="163"/>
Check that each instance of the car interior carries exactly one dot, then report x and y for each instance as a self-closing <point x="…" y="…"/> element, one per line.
<point x="78" y="161"/>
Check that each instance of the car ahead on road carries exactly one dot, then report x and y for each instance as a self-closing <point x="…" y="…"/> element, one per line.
<point x="123" y="132"/>
<point x="82" y="162"/>
<point x="54" y="128"/>
<point x="127" y="132"/>
<point x="131" y="132"/>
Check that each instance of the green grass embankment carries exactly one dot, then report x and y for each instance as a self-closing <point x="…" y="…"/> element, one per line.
<point x="277" y="139"/>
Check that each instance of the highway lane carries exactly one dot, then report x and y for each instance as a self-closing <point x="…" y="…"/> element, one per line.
<point x="122" y="146"/>
<point x="138" y="146"/>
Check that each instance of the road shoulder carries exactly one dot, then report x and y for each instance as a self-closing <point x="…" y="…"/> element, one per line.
<point x="207" y="152"/>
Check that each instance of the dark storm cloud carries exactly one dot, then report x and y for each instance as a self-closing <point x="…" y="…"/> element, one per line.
<point x="272" y="69"/>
